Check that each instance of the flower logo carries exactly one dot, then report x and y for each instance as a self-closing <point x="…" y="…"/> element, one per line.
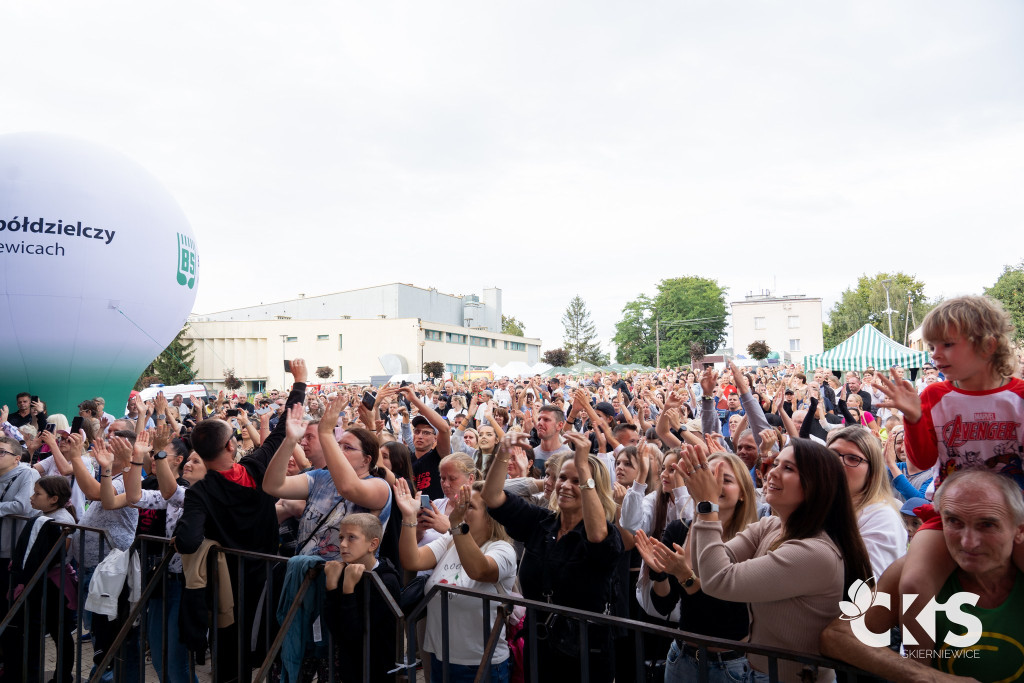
<point x="862" y="593"/>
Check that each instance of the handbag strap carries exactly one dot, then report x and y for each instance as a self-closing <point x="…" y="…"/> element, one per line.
<point x="9" y="485"/>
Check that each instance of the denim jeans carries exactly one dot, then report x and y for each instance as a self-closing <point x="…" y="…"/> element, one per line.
<point x="177" y="653"/>
<point x="465" y="673"/>
<point x="682" y="668"/>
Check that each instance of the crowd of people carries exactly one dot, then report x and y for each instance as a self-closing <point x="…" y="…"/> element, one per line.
<point x="742" y="504"/>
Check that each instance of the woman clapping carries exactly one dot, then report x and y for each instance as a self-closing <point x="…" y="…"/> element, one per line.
<point x="570" y="554"/>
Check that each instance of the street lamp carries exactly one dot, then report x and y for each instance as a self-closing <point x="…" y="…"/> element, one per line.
<point x="284" y="356"/>
<point x="888" y="309"/>
<point x="422" y="344"/>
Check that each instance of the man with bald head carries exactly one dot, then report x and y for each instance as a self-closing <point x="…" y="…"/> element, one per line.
<point x="982" y="519"/>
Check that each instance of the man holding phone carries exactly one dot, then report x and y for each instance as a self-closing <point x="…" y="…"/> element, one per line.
<point x="30" y="411"/>
<point x="431" y="440"/>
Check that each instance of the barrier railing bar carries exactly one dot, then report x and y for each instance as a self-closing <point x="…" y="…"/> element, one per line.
<point x="132" y="616"/>
<point x="268" y="662"/>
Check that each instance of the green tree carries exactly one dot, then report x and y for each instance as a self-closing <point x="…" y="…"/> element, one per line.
<point x="865" y="305"/>
<point x="634" y="334"/>
<point x="558" y="358"/>
<point x="509" y="325"/>
<point x="433" y="368"/>
<point x="581" y="334"/>
<point x="758" y="349"/>
<point x="1009" y="290"/>
<point x="689" y="309"/>
<point x="173" y="365"/>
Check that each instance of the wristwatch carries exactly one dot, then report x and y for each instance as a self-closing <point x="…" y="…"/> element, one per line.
<point x="589" y="484"/>
<point x="690" y="581"/>
<point x="706" y="507"/>
<point x="160" y="455"/>
<point x="161" y="416"/>
<point x="460" y="529"/>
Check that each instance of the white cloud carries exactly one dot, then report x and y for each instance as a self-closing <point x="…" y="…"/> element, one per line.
<point x="580" y="147"/>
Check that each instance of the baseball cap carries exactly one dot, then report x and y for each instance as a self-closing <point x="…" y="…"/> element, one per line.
<point x="420" y="421"/>
<point x="908" y="507"/>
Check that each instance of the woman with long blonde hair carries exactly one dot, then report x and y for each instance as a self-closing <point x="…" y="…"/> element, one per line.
<point x="670" y="564"/>
<point x="878" y="516"/>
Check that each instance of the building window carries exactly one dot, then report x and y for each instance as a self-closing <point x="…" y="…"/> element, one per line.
<point x="291" y="339"/>
<point x="431" y="335"/>
<point x="794" y="321"/>
<point x="760" y="323"/>
<point x="339" y="345"/>
<point x="323" y="337"/>
<point x="454" y="338"/>
<point x="516" y="346"/>
<point x="494" y="343"/>
<point x="794" y="344"/>
<point x="478" y="341"/>
<point x="456" y="370"/>
<point x="341" y="374"/>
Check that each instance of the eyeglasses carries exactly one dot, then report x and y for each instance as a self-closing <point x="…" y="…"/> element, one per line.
<point x="350" y="449"/>
<point x="851" y="460"/>
<point x="10" y="453"/>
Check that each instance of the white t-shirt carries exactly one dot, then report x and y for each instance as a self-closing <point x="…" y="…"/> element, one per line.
<point x="465" y="640"/>
<point x="885" y="537"/>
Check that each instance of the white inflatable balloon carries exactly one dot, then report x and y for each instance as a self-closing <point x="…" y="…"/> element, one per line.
<point x="99" y="270"/>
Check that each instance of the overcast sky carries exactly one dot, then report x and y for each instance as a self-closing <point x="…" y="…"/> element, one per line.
<point x="550" y="148"/>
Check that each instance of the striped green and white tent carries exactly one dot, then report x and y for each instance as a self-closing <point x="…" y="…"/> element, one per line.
<point x="868" y="347"/>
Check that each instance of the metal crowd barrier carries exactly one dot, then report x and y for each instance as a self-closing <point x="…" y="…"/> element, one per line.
<point x="151" y="548"/>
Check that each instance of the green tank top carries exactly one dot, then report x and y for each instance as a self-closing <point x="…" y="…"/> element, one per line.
<point x="999" y="655"/>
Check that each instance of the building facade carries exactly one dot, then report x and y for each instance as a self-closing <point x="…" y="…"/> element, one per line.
<point x="790" y="325"/>
<point x="355" y="345"/>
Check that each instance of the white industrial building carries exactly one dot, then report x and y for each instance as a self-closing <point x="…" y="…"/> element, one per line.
<point x="360" y="334"/>
<point x="790" y="324"/>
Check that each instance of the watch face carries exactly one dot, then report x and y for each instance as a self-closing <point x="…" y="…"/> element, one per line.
<point x="160" y="455"/>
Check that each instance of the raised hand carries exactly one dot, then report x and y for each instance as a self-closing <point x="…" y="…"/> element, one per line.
<point x="581" y="447"/>
<point x="702" y="481"/>
<point x="4" y="413"/>
<point x="519" y="464"/>
<point x="645" y="546"/>
<point x="406" y="502"/>
<point x="901" y="396"/>
<point x="643" y="461"/>
<point x="330" y="419"/>
<point x="714" y="445"/>
<point x="161" y="438"/>
<point x="299" y="371"/>
<point x="294" y="427"/>
<point x="458" y="514"/>
<point x="618" y="493"/>
<point x="769" y="437"/>
<point x="103" y="455"/>
<point x="709" y="381"/>
<point x="143" y="445"/>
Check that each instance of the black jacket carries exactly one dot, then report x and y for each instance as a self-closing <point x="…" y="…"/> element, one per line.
<point x="344" y="617"/>
<point x="235" y="516"/>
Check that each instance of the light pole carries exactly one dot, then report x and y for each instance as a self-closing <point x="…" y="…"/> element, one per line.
<point x="888" y="309"/>
<point x="284" y="357"/>
<point x="422" y="344"/>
